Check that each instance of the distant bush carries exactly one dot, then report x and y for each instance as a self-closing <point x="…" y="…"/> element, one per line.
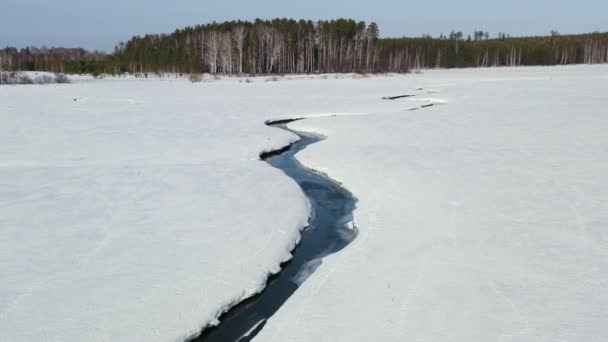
<point x="272" y="79"/>
<point x="44" y="79"/>
<point x="15" y="77"/>
<point x="24" y="79"/>
<point x="360" y="76"/>
<point x="61" y="78"/>
<point x="195" y="78"/>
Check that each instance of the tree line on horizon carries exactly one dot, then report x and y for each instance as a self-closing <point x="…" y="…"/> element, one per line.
<point x="56" y="59"/>
<point x="286" y="46"/>
<point x="278" y="46"/>
<point x="456" y="52"/>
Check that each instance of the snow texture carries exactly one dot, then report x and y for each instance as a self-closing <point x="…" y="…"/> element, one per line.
<point x="482" y="219"/>
<point x="137" y="209"/>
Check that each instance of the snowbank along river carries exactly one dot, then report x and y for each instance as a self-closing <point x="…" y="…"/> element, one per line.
<point x="329" y="231"/>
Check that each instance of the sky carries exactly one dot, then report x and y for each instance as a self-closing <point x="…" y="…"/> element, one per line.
<point x="104" y="23"/>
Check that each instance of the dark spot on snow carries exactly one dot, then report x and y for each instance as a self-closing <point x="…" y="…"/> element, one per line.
<point x="281" y="121"/>
<point x="269" y="154"/>
<point x="423" y="106"/>
<point x="397" y="97"/>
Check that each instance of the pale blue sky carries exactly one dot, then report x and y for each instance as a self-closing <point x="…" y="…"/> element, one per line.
<point x="102" y="24"/>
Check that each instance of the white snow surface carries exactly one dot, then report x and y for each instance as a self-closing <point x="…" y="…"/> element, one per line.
<point x="137" y="209"/>
<point x="483" y="219"/>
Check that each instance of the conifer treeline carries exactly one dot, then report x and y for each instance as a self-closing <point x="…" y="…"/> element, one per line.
<point x="455" y="52"/>
<point x="287" y="46"/>
<point x="60" y="60"/>
<point x="260" y="47"/>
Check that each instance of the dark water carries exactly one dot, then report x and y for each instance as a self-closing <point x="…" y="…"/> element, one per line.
<point x="332" y="208"/>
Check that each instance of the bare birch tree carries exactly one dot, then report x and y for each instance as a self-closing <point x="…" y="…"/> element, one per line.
<point x="239" y="34"/>
<point x="213" y="41"/>
<point x="226" y="53"/>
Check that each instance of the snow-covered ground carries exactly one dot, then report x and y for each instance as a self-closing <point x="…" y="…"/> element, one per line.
<point x="484" y="219"/>
<point x="136" y="209"/>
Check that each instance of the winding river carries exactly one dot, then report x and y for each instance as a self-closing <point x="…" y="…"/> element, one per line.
<point x="327" y="233"/>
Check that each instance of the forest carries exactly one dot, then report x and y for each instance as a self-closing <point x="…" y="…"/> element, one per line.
<point x="287" y="46"/>
<point x="60" y="60"/>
